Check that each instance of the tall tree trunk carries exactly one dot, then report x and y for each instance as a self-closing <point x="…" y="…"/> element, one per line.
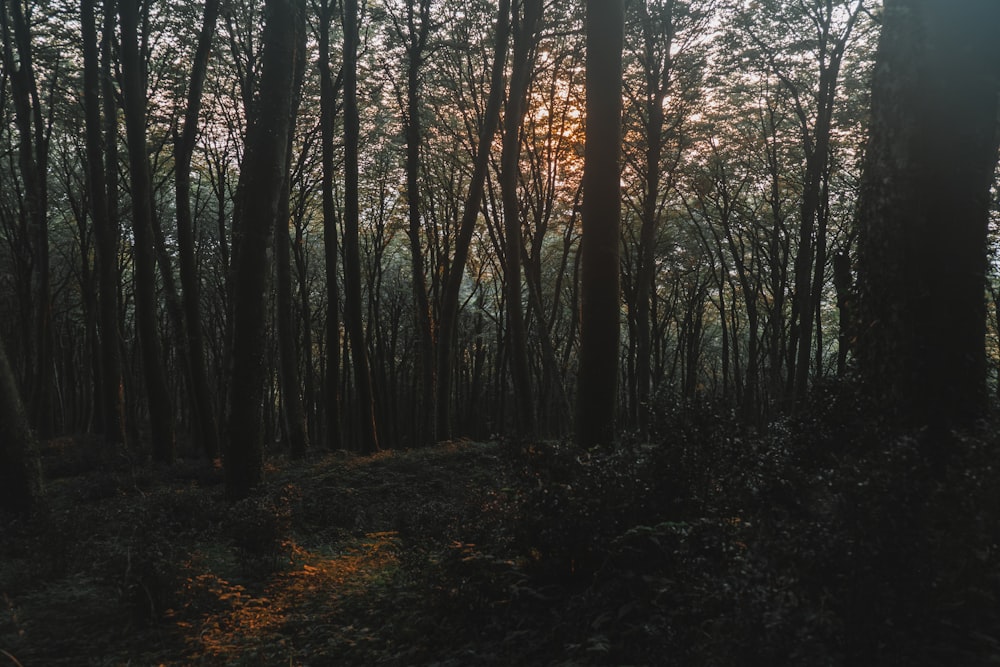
<point x="525" y="30"/>
<point x="32" y="149"/>
<point x="352" y="220"/>
<point x="293" y="413"/>
<point x="134" y="96"/>
<point x="416" y="43"/>
<point x="111" y="402"/>
<point x="328" y="112"/>
<point x="600" y="307"/>
<point x="266" y="169"/>
<point x="20" y="471"/>
<point x="924" y="209"/>
<point x="201" y="396"/>
<point x="448" y="317"/>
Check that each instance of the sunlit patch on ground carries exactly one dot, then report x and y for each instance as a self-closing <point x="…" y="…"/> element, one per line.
<point x="281" y="622"/>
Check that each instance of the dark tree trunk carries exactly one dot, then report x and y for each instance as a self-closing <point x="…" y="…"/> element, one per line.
<point x="352" y="252"/>
<point x="32" y="151"/>
<point x="328" y="112"/>
<point x="600" y="306"/>
<point x="111" y="402"/>
<point x="293" y="412"/>
<point x="207" y="428"/>
<point x="134" y="96"/>
<point x="416" y="43"/>
<point x="265" y="168"/>
<point x="525" y="28"/>
<point x="923" y="210"/>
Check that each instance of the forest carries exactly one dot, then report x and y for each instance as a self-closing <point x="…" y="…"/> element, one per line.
<point x="528" y="332"/>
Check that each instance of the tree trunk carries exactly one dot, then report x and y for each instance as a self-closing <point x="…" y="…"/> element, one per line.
<point x="328" y="111"/>
<point x="201" y="396"/>
<point x="32" y="150"/>
<point x="111" y="402"/>
<point x="600" y="307"/>
<point x="352" y="252"/>
<point x="416" y="39"/>
<point x="265" y="168"/>
<point x="134" y="96"/>
<point x="525" y="29"/>
<point x="293" y="412"/>
<point x="923" y="211"/>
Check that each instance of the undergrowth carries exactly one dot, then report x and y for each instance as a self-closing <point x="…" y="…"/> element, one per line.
<point x="820" y="540"/>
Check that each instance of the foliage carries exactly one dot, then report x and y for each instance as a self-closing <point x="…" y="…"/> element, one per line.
<point x="821" y="540"/>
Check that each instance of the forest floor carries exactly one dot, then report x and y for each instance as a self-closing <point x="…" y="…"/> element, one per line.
<point x="814" y="543"/>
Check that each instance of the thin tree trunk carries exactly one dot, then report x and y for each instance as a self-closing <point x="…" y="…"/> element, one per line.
<point x="328" y="111"/>
<point x="134" y="96"/>
<point x="201" y="396"/>
<point x="352" y="253"/>
<point x="524" y="42"/>
<point x="111" y="402"/>
<point x="32" y="148"/>
<point x="416" y="44"/>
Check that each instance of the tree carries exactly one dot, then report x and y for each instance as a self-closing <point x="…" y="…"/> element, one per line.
<point x="265" y="167"/>
<point x="33" y="157"/>
<point x="923" y="210"/>
<point x="293" y="411"/>
<point x="134" y="104"/>
<point x="600" y="308"/>
<point x="525" y="31"/>
<point x="184" y="145"/>
<point x="111" y="402"/>
<point x="328" y="111"/>
<point x="20" y="471"/>
<point x="352" y="216"/>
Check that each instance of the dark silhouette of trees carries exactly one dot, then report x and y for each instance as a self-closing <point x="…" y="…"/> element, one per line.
<point x="33" y="143"/>
<point x="134" y="104"/>
<point x="184" y="145"/>
<point x="597" y="383"/>
<point x="368" y="435"/>
<point x="331" y="246"/>
<point x="266" y="169"/>
<point x="111" y="398"/>
<point x="924" y="208"/>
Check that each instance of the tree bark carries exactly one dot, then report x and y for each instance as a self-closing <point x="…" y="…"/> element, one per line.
<point x="924" y="209"/>
<point x="600" y="307"/>
<point x="265" y="167"/>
